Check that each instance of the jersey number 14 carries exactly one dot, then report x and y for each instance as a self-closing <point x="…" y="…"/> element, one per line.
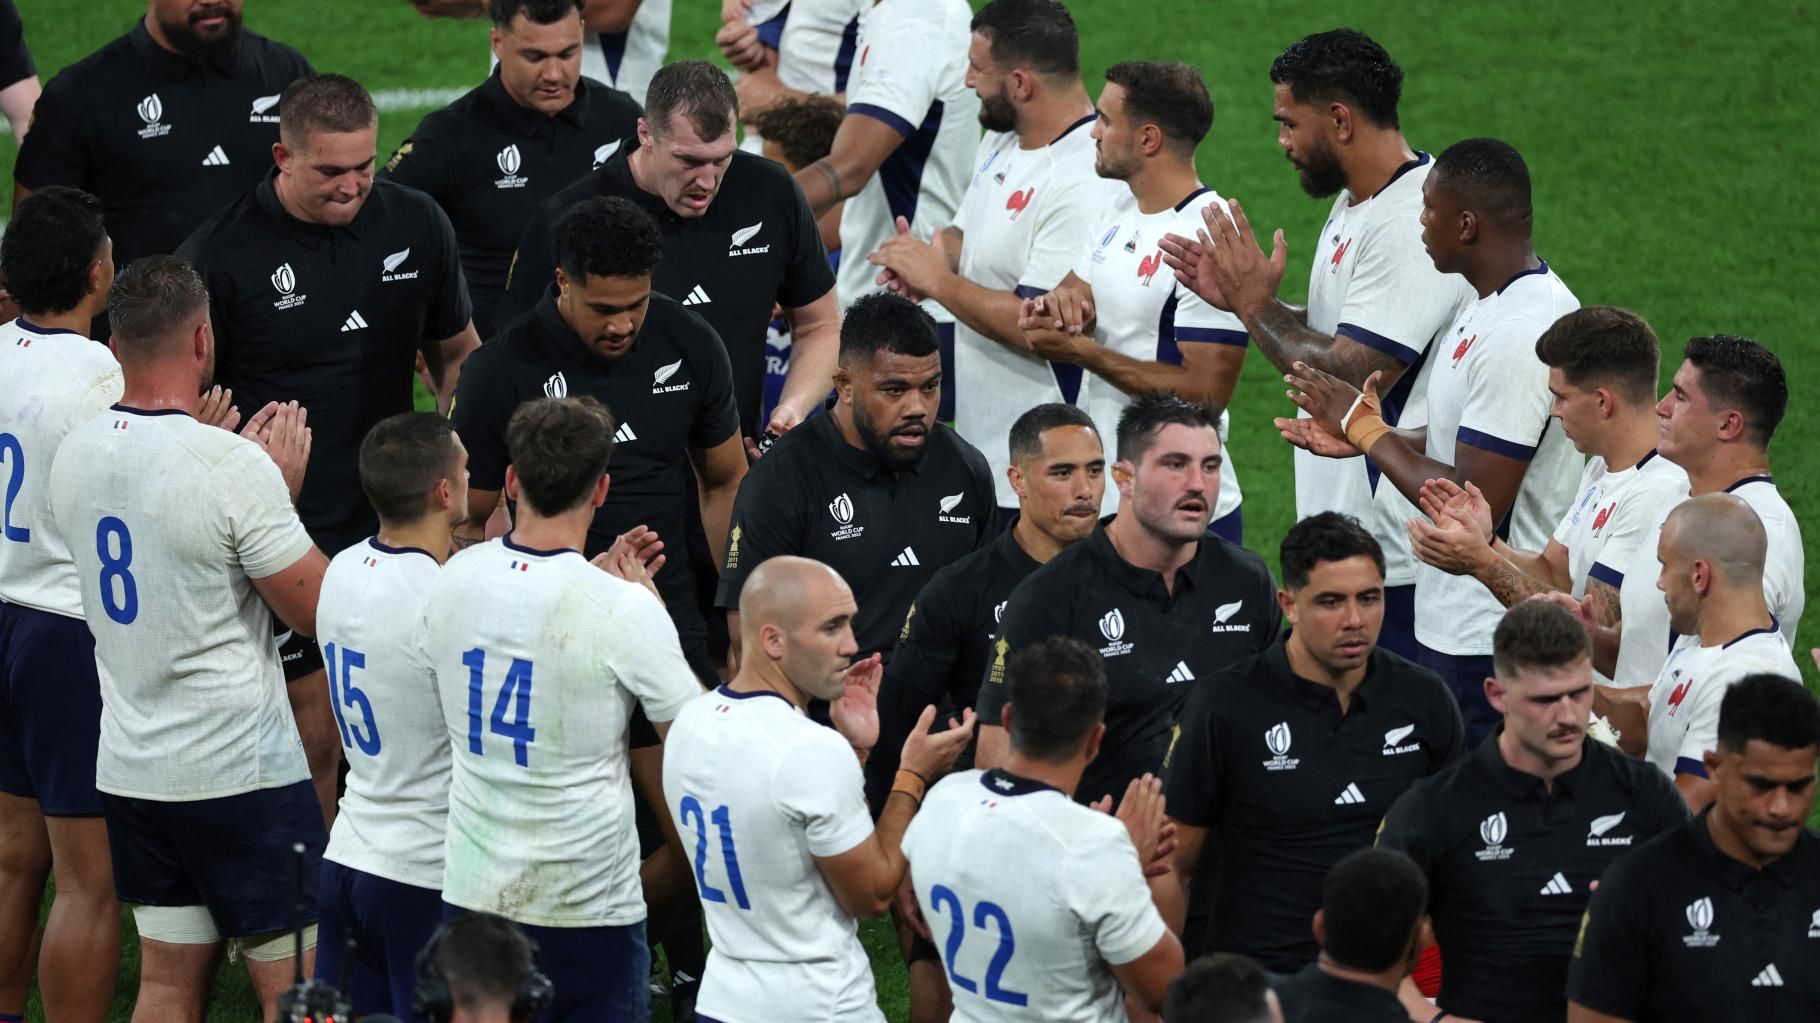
<point x="514" y="698"/>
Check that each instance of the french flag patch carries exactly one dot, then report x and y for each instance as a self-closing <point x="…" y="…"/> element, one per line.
<point x="119" y="424"/>
<point x="521" y="566"/>
<point x="22" y="342"/>
<point x="371" y="561"/>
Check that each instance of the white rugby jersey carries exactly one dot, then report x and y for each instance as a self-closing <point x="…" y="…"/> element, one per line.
<point x="170" y="521"/>
<point x="370" y="625"/>
<point x="539" y="657"/>
<point x="1373" y="281"/>
<point x="627" y="60"/>
<point x="1614" y="514"/>
<point x="1486" y="388"/>
<point x="1646" y="628"/>
<point x="819" y="43"/>
<point x="759" y="791"/>
<point x="55" y="379"/>
<point x="1029" y="895"/>
<point x="911" y="73"/>
<point x="1143" y="312"/>
<point x="1684" y="703"/>
<point x="1023" y="219"/>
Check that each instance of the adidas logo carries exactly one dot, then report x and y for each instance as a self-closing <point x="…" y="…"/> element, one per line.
<point x="216" y="158"/>
<point x="905" y="559"/>
<point x="697" y="297"/>
<point x="1557" y="885"/>
<point x="624" y="433"/>
<point x="1351" y="796"/>
<point x="1770" y="977"/>
<point x="354" y="322"/>
<point x="1181" y="673"/>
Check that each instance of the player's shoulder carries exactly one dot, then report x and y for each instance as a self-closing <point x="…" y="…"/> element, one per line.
<point x="1638" y="778"/>
<point x="1402" y="193"/>
<point x="947" y="439"/>
<point x="1659" y="474"/>
<point x="273" y="57"/>
<point x="960" y="581"/>
<point x="113" y="59"/>
<point x="1638" y="875"/>
<point x="1765" y="498"/>
<point x="585" y="187"/>
<point x="204" y="247"/>
<point x="404" y="205"/>
<point x="1187" y="213"/>
<point x="88" y="362"/>
<point x="683" y="327"/>
<point x="605" y="103"/>
<point x="757" y="178"/>
<point x="1227" y="559"/>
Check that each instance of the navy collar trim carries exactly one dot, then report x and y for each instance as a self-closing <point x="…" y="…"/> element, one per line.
<point x="387" y="549"/>
<point x="1514" y="278"/>
<point x="1180" y="206"/>
<point x="1076" y="126"/>
<point x="1774" y="626"/>
<point x="534" y="552"/>
<point x="1749" y="480"/>
<point x="117" y="407"/>
<point x="1001" y="782"/>
<point x="1420" y="160"/>
<point x="1645" y="459"/>
<point x="730" y="693"/>
<point x="25" y="324"/>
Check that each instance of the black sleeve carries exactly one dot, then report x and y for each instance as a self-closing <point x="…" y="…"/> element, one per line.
<point x="1663" y="806"/>
<point x="197" y="251"/>
<point x="1196" y="771"/>
<point x="1273" y="628"/>
<point x="1408" y="828"/>
<point x="480" y="413"/>
<point x="55" y="151"/>
<point x="1609" y="972"/>
<point x="986" y="525"/>
<point x="717" y="415"/>
<point x="533" y="266"/>
<point x="450" y="308"/>
<point x="809" y="276"/>
<point x="1030" y="617"/>
<point x="1452" y="743"/>
<point x="918" y="673"/>
<point x="15" y="60"/>
<point x="422" y="162"/>
<point x="767" y="522"/>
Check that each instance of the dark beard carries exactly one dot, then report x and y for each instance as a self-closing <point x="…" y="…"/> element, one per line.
<point x="879" y="444"/>
<point x="997" y="113"/>
<point x="197" y="47"/>
<point x="1322" y="175"/>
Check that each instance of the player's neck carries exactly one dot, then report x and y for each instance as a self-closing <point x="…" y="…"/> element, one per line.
<point x="1065" y="778"/>
<point x="1044" y="121"/>
<point x="1728" y="464"/>
<point x="429" y="534"/>
<point x="1380" y="154"/>
<point x="150" y="389"/>
<point x="1034" y="542"/>
<point x="568" y="531"/>
<point x="757" y="675"/>
<point x="1729" y="613"/>
<point x="1727" y="842"/>
<point x="1141" y="547"/>
<point x="1521" y="758"/>
<point x="1390" y="980"/>
<point x="1633" y="435"/>
<point x="1500" y="264"/>
<point x="1162" y="183"/>
<point x="76" y="321"/>
<point x="156" y="31"/>
<point x="1306" y="666"/>
<point x="281" y="189"/>
<point x="637" y="163"/>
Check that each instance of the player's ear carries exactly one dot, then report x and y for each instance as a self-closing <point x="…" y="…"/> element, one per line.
<point x="281" y="155"/>
<point x="1494" y="693"/>
<point x="843" y="383"/>
<point x="1004" y="717"/>
<point x="1123" y="472"/>
<point x="1608" y="404"/>
<point x="511" y="483"/>
<point x="1469" y="226"/>
<point x="1016" y="479"/>
<point x="1286" y="602"/>
<point x="1731" y="425"/>
<point x="1320" y="927"/>
<point x="1094" y="739"/>
<point x="644" y="133"/>
<point x="600" y="489"/>
<point x="1340" y="116"/>
<point x="498" y="43"/>
<point x="1711" y="759"/>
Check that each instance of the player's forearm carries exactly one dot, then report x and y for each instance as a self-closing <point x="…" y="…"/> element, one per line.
<point x="1136" y="376"/>
<point x="717" y="516"/>
<point x="1286" y="339"/>
<point x="813" y="355"/>
<point x="1414" y="1002"/>
<point x="992" y="313"/>
<point x="1605" y="603"/>
<point x="949" y="240"/>
<point x="16" y="102"/>
<point x="1509" y="583"/>
<point x="900" y="807"/>
<point x="1400" y="457"/>
<point x="446" y="358"/>
<point x="1605" y="643"/>
<point x="1533" y="564"/>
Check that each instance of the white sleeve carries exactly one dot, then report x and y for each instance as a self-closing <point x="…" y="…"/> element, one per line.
<point x="1198" y="322"/>
<point x="1507" y="396"/>
<point x="259" y="524"/>
<point x="649" y="661"/>
<point x="1783" y="576"/>
<point x="1397" y="300"/>
<point x="1637" y="522"/>
<point x="1063" y="219"/>
<point x="819" y="786"/>
<point x="900" y="82"/>
<point x="1108" y="894"/>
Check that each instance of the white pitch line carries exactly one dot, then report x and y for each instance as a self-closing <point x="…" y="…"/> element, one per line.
<point x="389" y="100"/>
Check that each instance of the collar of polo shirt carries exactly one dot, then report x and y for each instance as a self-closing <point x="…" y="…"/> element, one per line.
<point x="1736" y="875"/>
<point x="861" y="460"/>
<point x="1522" y="784"/>
<point x="303" y="232"/>
<point x="614" y="178"/>
<point x="1013" y="552"/>
<point x="1140" y="581"/>
<point x="1314" y="695"/>
<point x="528" y="122"/>
<point x="175" y="66"/>
<point x="567" y="345"/>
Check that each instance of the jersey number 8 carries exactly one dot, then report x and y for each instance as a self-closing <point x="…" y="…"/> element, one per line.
<point x="111" y="532"/>
<point x="514" y="696"/>
<point x="943" y="899"/>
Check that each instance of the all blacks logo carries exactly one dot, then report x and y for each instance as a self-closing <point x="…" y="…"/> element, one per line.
<point x="509" y="161"/>
<point x="285" y="280"/>
<point x="842" y="510"/>
<point x="1112" y="626"/>
<point x="1493" y="831"/>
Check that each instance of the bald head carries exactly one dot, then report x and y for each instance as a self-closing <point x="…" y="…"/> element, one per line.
<point x="796" y="620"/>
<point x="784" y="591"/>
<point x="1723" y="531"/>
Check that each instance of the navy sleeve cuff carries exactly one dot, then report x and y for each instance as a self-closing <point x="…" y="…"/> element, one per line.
<point x="898" y="124"/>
<point x="1378" y="342"/>
<point x="1496" y="445"/>
<point x="1026" y="291"/>
<point x="1688" y="765"/>
<point x="1212" y="335"/>
<point x="1609" y="576"/>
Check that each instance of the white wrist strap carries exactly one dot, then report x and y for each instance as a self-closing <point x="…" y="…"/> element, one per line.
<point x="1346" y="420"/>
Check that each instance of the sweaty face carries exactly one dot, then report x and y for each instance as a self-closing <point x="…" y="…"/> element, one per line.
<point x="329" y="177"/>
<point x="1689" y="422"/>
<point x="1577" y="410"/>
<point x="1764" y="795"/>
<point x="540" y="64"/>
<point x="199" y="29"/>
<point x="1337" y="613"/>
<point x="1173" y="489"/>
<point x="687" y="168"/>
<point x="992" y="85"/>
<point x="1677" y="583"/>
<point x="1441" y="226"/>
<point x="1061" y="486"/>
<point x="1114" y="136"/>
<point x="1546" y="709"/>
<point x="818" y="649"/>
<point x="1302" y="132"/>
<point x="895" y="398"/>
<point x="606" y="312"/>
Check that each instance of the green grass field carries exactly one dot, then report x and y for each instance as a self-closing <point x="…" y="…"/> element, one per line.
<point x="1662" y="137"/>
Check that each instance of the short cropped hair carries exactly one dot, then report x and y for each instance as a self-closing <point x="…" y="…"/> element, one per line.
<point x="537" y="12"/>
<point x="1169" y="94"/>
<point x="1604" y="346"/>
<point x="152" y="297"/>
<point x="1489" y="177"/>
<point x="1345" y="65"/>
<point x="804" y="126"/>
<point x="1536" y="634"/>
<point x="1035" y="34"/>
<point x="1027" y="432"/>
<point x="698" y="91"/>
<point x="1325" y="536"/>
<point x="53" y="238"/>
<point x="1146" y="416"/>
<point x="607" y="236"/>
<point x="1057" y="693"/>
<point x="883" y="322"/>
<point x="484" y="959"/>
<point x="1372" y="903"/>
<point x="401" y="459"/>
<point x="1738" y="373"/>
<point x="335" y="104"/>
<point x="1223" y="987"/>
<point x="1768" y="708"/>
<point x="559" y="449"/>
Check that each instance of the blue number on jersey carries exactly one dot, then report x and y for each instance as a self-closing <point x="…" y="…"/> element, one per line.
<point x="941" y="896"/>
<point x="514" y="696"/>
<point x="117" y="567"/>
<point x="12" y="452"/>
<point x="343" y="691"/>
<point x="690" y="806"/>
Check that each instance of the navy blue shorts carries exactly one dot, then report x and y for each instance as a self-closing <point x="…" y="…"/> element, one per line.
<point x="231" y="855"/>
<point x="1399" y="632"/>
<point x="389" y="922"/>
<point x="599" y="973"/>
<point x="1465" y="677"/>
<point x="50" y="711"/>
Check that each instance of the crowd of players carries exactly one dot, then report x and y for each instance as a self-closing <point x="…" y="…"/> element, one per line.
<point x="644" y="631"/>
